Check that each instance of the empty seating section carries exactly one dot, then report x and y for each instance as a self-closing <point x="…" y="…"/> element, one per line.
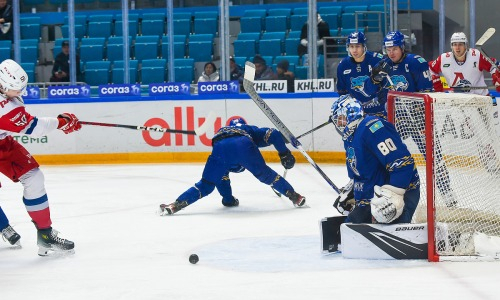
<point x="114" y="48"/>
<point x="182" y="26"/>
<point x="97" y="72"/>
<point x="29" y="50"/>
<point x="184" y="70"/>
<point x="117" y="74"/>
<point x="99" y="29"/>
<point x="253" y="20"/>
<point x="31" y="28"/>
<point x="29" y="67"/>
<point x="153" y="70"/>
<point x="146" y="47"/>
<point x="152" y="27"/>
<point x="205" y="26"/>
<point x="179" y="46"/>
<point x="92" y="49"/>
<point x="5" y="49"/>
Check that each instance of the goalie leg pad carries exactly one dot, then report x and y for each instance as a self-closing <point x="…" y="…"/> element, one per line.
<point x="330" y="233"/>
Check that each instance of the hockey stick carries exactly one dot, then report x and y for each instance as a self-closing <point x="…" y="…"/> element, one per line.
<point x="314" y="129"/>
<point x="479" y="44"/>
<point x="249" y="88"/>
<point x="210" y="119"/>
<point x="275" y="191"/>
<point x="465" y="88"/>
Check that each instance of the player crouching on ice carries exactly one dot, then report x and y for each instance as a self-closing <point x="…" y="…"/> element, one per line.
<point x="384" y="183"/>
<point x="17" y="163"/>
<point x="236" y="148"/>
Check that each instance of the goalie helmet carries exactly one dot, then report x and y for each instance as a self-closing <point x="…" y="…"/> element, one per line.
<point x="394" y="38"/>
<point x="346" y="112"/>
<point x="459" y="37"/>
<point x="356" y="37"/>
<point x="12" y="76"/>
<point x="236" y="121"/>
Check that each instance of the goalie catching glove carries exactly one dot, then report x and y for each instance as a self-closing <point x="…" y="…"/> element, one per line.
<point x="287" y="159"/>
<point x="68" y="123"/>
<point x="345" y="201"/>
<point x="387" y="204"/>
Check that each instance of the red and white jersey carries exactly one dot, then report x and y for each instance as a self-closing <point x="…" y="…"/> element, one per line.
<point x="15" y="119"/>
<point x="471" y="70"/>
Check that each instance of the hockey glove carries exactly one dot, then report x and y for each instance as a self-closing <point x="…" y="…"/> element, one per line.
<point x="496" y="80"/>
<point x="345" y="202"/>
<point x="380" y="71"/>
<point x="437" y="84"/>
<point x="387" y="204"/>
<point x="287" y="159"/>
<point x="68" y="123"/>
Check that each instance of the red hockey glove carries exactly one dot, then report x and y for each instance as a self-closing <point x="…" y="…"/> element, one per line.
<point x="437" y="84"/>
<point x="496" y="80"/>
<point x="68" y="123"/>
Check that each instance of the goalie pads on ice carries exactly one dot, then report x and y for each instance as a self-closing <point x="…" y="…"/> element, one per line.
<point x="388" y="203"/>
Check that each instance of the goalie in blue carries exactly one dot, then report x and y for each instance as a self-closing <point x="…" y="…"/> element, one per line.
<point x="384" y="185"/>
<point x="236" y="148"/>
<point x="355" y="69"/>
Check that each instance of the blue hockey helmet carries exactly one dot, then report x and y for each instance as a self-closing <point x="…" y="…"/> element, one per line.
<point x="346" y="112"/>
<point x="394" y="38"/>
<point x="236" y="121"/>
<point x="356" y="37"/>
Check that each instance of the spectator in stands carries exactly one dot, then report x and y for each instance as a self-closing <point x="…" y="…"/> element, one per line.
<point x="285" y="74"/>
<point x="236" y="71"/>
<point x="209" y="74"/>
<point x="6" y="19"/>
<point x="60" y="70"/>
<point x="262" y="70"/>
<point x="323" y="30"/>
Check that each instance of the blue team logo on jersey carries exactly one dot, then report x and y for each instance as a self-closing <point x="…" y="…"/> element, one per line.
<point x="351" y="160"/>
<point x="400" y="83"/>
<point x="358" y="84"/>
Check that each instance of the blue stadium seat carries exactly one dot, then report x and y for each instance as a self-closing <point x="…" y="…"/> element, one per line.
<point x="294" y="34"/>
<point x="79" y="20"/>
<point x="270" y="47"/>
<point x="79" y="31"/>
<point x="133" y="28"/>
<point x="5" y="53"/>
<point x="153" y="71"/>
<point x="147" y="49"/>
<point x="206" y="26"/>
<point x="99" y="29"/>
<point x="248" y="36"/>
<point x="100" y="18"/>
<point x="31" y="31"/>
<point x="184" y="62"/>
<point x="179" y="49"/>
<point x="29" y="53"/>
<point x="29" y="43"/>
<point x="30" y="20"/>
<point x="92" y="49"/>
<point x="132" y="17"/>
<point x="182" y="15"/>
<point x="200" y="14"/>
<point x="348" y="20"/>
<point x="97" y="72"/>
<point x="153" y="27"/>
<point x="117" y="74"/>
<point x="93" y="41"/>
<point x="240" y="60"/>
<point x="355" y="8"/>
<point x="182" y="26"/>
<point x="114" y="48"/>
<point x="203" y="37"/>
<point x="252" y="24"/>
<point x="200" y="51"/>
<point x="154" y="16"/>
<point x="301" y="72"/>
<point x="184" y="74"/>
<point x="273" y="35"/>
<point x="276" y="24"/>
<point x="330" y="10"/>
<point x="291" y="45"/>
<point x="298" y="21"/>
<point x="255" y="13"/>
<point x="333" y="20"/>
<point x="300" y="11"/>
<point x="244" y="48"/>
<point x="346" y="31"/>
<point x="287" y="12"/>
<point x="30" y="68"/>
<point x="147" y="39"/>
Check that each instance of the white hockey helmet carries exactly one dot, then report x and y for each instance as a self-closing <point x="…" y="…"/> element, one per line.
<point x="12" y="76"/>
<point x="459" y="37"/>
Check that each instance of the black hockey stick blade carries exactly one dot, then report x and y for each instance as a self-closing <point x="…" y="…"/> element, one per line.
<point x="249" y="88"/>
<point x="314" y="129"/>
<point x="197" y="131"/>
<point x="485" y="37"/>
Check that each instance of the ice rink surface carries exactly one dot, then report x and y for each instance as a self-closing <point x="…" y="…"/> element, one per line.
<point x="263" y="249"/>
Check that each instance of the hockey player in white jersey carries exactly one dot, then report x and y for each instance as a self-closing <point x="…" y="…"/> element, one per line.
<point x="463" y="67"/>
<point x="17" y="163"/>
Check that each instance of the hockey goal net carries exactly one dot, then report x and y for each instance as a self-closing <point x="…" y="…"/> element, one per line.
<point x="453" y="140"/>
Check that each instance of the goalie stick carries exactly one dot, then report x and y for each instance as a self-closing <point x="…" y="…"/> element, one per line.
<point x="249" y="88"/>
<point x="479" y="44"/>
<point x="314" y="129"/>
<point x="210" y="119"/>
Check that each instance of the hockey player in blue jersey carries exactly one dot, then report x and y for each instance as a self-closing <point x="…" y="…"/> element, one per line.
<point x="236" y="148"/>
<point x="355" y="69"/>
<point x="8" y="233"/>
<point x="384" y="186"/>
<point x="400" y="71"/>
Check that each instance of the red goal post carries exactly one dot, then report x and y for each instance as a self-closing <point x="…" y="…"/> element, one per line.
<point x="455" y="146"/>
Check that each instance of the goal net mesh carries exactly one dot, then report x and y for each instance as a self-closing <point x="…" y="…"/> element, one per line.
<point x="466" y="168"/>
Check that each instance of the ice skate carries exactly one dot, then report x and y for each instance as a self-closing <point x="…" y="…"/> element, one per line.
<point x="172" y="208"/>
<point x="50" y="243"/>
<point x="10" y="235"/>
<point x="296" y="198"/>
<point x="231" y="203"/>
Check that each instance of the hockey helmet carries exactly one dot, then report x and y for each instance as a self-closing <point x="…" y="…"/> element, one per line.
<point x="236" y="121"/>
<point x="459" y="37"/>
<point x="346" y="112"/>
<point x="394" y="38"/>
<point x="12" y="76"/>
<point x="356" y="37"/>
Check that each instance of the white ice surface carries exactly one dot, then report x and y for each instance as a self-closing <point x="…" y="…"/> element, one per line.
<point x="263" y="249"/>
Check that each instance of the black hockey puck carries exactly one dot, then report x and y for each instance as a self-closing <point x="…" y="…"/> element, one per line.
<point x="193" y="258"/>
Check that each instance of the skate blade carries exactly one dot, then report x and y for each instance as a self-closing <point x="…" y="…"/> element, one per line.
<point x="164" y="211"/>
<point x="42" y="251"/>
